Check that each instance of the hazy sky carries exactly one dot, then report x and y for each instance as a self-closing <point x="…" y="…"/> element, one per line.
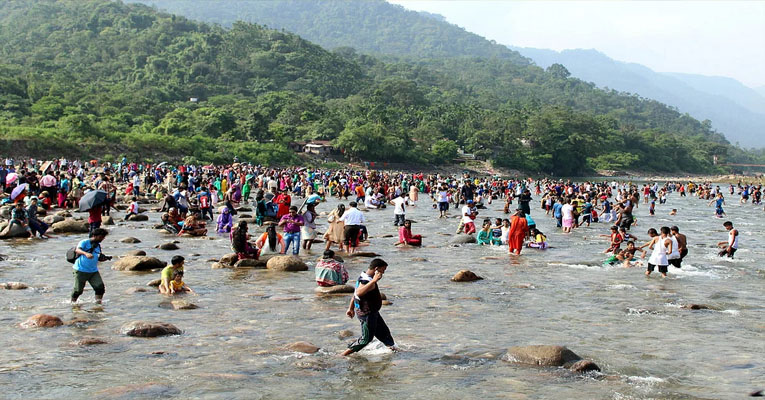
<point x="725" y="38"/>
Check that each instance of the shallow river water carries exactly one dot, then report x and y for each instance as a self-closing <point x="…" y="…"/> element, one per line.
<point x="450" y="333"/>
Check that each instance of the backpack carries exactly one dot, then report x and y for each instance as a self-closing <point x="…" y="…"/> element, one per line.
<point x="272" y="209"/>
<point x="71" y="254"/>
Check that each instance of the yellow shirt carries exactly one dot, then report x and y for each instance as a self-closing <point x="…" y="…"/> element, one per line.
<point x="177" y="286"/>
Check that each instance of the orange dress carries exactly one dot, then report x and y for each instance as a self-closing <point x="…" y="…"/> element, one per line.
<point x="519" y="229"/>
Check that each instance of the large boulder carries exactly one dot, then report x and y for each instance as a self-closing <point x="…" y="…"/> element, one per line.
<point x="154" y="282"/>
<point x="64" y="213"/>
<point x="149" y="329"/>
<point x="42" y="321"/>
<point x="15" y="231"/>
<point x="135" y="263"/>
<point x="52" y="219"/>
<point x="303" y="347"/>
<point x="138" y="217"/>
<point x="465" y="276"/>
<point x="71" y="226"/>
<point x="332" y="290"/>
<point x="286" y="263"/>
<point x="5" y="211"/>
<point x="463" y="239"/>
<point x="541" y="355"/>
<point x="130" y="239"/>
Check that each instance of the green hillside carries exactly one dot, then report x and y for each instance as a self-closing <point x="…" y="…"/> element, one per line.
<point x="94" y="77"/>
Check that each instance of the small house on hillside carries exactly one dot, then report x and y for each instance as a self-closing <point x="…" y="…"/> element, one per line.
<point x="318" y="147"/>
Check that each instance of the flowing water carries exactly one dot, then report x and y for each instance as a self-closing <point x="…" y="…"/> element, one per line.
<point x="451" y="334"/>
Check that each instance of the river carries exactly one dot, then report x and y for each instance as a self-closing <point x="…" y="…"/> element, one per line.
<point x="450" y="334"/>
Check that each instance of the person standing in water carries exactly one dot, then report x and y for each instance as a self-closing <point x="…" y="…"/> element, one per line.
<point x="729" y="247"/>
<point x="365" y="305"/>
<point x="662" y="247"/>
<point x="682" y="246"/>
<point x="519" y="229"/>
<point x="86" y="265"/>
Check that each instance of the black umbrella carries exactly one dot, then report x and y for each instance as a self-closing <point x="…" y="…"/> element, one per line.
<point x="93" y="198"/>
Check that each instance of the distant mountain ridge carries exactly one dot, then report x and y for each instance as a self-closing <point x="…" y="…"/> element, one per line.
<point x="733" y="108"/>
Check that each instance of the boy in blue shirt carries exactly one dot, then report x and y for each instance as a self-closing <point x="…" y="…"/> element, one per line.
<point x="86" y="266"/>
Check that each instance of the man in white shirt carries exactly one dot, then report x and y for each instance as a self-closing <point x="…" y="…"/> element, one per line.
<point x="353" y="220"/>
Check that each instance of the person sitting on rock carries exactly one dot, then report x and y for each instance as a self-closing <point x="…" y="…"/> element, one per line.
<point x="132" y="209"/>
<point x="270" y="242"/>
<point x="171" y="220"/>
<point x="193" y="226"/>
<point x="240" y="242"/>
<point x="405" y="235"/>
<point x="330" y="271"/>
<point x="225" y="221"/>
<point x="177" y="284"/>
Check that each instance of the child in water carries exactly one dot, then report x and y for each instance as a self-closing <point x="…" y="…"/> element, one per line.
<point x="538" y="240"/>
<point x="178" y="285"/>
<point x="616" y="241"/>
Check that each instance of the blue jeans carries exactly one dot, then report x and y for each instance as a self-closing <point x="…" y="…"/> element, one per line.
<point x="294" y="238"/>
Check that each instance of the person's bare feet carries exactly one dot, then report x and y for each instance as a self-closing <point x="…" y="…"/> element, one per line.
<point x="346" y="353"/>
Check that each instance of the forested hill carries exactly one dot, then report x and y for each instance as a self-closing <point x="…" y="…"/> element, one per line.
<point x="94" y="77"/>
<point x="371" y="26"/>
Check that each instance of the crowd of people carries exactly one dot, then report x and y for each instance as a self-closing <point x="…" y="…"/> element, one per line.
<point x="189" y="197"/>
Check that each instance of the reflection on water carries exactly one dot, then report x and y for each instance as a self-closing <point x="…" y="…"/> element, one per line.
<point x="451" y="334"/>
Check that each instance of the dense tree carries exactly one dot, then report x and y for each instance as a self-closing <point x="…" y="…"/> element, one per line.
<point x="101" y="77"/>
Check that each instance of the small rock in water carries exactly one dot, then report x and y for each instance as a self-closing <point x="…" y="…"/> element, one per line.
<point x="149" y="329"/>
<point x="135" y="253"/>
<point x="154" y="282"/>
<point x="130" y="239"/>
<point x="387" y="303"/>
<point x="250" y="263"/>
<point x="14" y="285"/>
<point x="168" y="246"/>
<point x="303" y="347"/>
<point x="229" y="259"/>
<point x="89" y="341"/>
<point x="135" y="263"/>
<point x="465" y="276"/>
<point x="463" y="239"/>
<point x="419" y="259"/>
<point x="697" y="307"/>
<point x="42" y="321"/>
<point x="138" y="217"/>
<point x="541" y="355"/>
<point x="107" y="220"/>
<point x="584" y="366"/>
<point x="364" y="254"/>
<point x="183" y="305"/>
<point x="286" y="263"/>
<point x="344" y="334"/>
<point x="217" y="265"/>
<point x="337" y="289"/>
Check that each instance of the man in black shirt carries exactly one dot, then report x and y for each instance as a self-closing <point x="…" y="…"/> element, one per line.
<point x="365" y="304"/>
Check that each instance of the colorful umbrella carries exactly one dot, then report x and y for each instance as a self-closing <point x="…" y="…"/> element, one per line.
<point x="10" y="178"/>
